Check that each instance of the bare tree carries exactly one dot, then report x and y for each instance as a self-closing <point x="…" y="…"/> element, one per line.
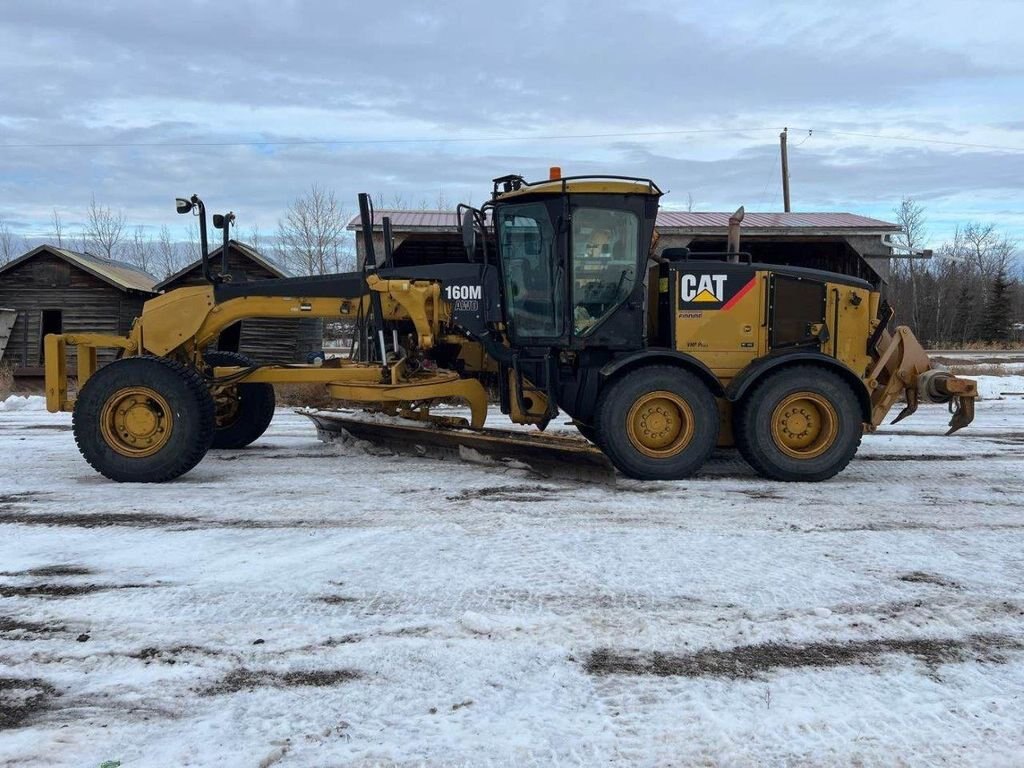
<point x="253" y="237"/>
<point x="311" y="236"/>
<point x="11" y="245"/>
<point x="104" y="229"/>
<point x="139" y="250"/>
<point x="988" y="249"/>
<point x="911" y="218"/>
<point x="958" y="296"/>
<point x="167" y="256"/>
<point x="192" y="246"/>
<point x="398" y="202"/>
<point x="58" y="228"/>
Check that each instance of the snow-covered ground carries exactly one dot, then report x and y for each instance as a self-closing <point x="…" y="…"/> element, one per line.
<point x="301" y="604"/>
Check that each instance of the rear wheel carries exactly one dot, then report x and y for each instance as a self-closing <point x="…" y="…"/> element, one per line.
<point x="244" y="411"/>
<point x="143" y="420"/>
<point x="657" y="423"/>
<point x="801" y="423"/>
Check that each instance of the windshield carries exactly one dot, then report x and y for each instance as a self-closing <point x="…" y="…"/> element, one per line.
<point x="532" y="275"/>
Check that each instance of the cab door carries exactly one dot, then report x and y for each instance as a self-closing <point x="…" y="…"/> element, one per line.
<point x="606" y="292"/>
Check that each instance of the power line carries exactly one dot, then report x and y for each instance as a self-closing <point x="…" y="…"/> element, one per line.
<point x="771" y="176"/>
<point x="328" y="142"/>
<point x="809" y="133"/>
<point x="914" y="139"/>
<point x="490" y="139"/>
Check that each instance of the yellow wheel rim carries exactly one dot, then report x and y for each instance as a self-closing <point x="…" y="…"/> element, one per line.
<point x="660" y="424"/>
<point x="136" y="422"/>
<point x="804" y="425"/>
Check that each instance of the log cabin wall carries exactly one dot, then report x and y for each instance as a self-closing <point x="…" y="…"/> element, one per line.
<point x="50" y="294"/>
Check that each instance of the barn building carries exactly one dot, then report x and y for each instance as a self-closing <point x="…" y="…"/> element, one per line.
<point x="264" y="340"/>
<point x="840" y="242"/>
<point x="56" y="290"/>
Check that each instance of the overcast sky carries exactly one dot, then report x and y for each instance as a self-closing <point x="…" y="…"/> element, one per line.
<point x="431" y="98"/>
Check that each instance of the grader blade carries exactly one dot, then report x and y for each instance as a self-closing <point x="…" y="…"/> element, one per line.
<point x="548" y="455"/>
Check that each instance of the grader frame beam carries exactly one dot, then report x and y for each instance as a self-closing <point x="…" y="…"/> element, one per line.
<point x="183" y="322"/>
<point x="193" y="316"/>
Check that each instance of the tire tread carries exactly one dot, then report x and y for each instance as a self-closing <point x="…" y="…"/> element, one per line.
<point x="654" y="469"/>
<point x="746" y="434"/>
<point x="258" y="401"/>
<point x="186" y="460"/>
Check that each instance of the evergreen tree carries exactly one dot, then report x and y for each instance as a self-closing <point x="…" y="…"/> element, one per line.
<point x="995" y="323"/>
<point x="963" y="322"/>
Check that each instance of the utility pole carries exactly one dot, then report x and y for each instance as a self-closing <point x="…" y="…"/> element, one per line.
<point x="785" y="169"/>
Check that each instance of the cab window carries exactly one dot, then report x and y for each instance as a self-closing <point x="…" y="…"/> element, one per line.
<point x="533" y="284"/>
<point x="604" y="263"/>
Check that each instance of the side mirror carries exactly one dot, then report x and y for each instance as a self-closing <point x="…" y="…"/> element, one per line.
<point x="182" y="205"/>
<point x="469" y="233"/>
<point x="222" y="220"/>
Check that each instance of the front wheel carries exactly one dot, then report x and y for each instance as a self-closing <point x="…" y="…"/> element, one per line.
<point x="800" y="423"/>
<point x="143" y="420"/>
<point x="657" y="423"/>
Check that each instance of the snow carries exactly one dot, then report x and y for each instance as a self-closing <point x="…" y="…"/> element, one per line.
<point x="455" y="614"/>
<point x="23" y="403"/>
<point x="998" y="387"/>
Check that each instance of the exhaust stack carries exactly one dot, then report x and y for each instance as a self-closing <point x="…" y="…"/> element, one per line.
<point x="732" y="246"/>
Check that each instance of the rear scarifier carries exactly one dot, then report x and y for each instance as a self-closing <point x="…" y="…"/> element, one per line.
<point x="802" y="423"/>
<point x="658" y="422"/>
<point x="144" y="420"/>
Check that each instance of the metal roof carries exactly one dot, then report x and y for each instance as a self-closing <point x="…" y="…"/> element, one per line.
<point x="117" y="273"/>
<point x="668" y="221"/>
<point x="443" y="220"/>
<point x="823" y="220"/>
<point x="246" y="250"/>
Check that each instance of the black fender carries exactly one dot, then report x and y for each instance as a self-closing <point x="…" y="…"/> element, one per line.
<point x="763" y="365"/>
<point x="663" y="357"/>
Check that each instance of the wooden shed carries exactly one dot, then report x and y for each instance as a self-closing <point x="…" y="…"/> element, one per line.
<point x="56" y="290"/>
<point x="263" y="340"/>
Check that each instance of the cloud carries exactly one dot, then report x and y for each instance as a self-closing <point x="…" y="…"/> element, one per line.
<point x="151" y="72"/>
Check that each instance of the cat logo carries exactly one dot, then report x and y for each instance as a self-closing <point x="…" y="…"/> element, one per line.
<point x="708" y="289"/>
<point x="721" y="292"/>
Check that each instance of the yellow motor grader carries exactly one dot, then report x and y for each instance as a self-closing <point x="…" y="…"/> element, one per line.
<point x="656" y="360"/>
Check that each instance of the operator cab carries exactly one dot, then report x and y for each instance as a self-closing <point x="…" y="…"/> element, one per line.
<point x="572" y="253"/>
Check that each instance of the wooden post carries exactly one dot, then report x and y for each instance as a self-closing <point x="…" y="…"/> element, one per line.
<point x="785" y="170"/>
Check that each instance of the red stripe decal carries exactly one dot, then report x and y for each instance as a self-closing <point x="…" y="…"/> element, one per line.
<point x="739" y="295"/>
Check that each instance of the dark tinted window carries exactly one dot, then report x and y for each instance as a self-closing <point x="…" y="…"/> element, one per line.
<point x="797" y="304"/>
<point x="533" y="279"/>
